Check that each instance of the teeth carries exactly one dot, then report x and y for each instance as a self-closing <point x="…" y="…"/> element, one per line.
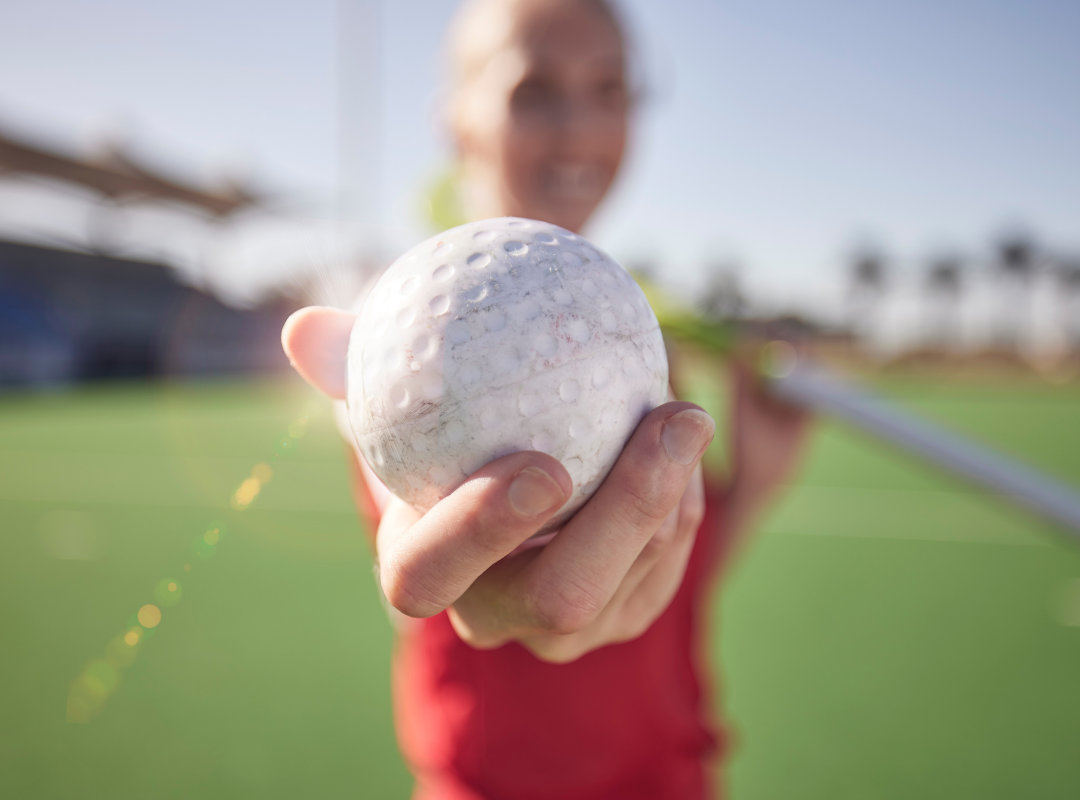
<point x="571" y="181"/>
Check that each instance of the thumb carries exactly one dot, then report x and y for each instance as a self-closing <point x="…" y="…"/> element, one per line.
<point x="316" y="340"/>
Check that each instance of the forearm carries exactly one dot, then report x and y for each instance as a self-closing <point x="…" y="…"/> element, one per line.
<point x="744" y="502"/>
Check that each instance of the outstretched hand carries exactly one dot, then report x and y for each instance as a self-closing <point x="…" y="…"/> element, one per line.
<point x="606" y="575"/>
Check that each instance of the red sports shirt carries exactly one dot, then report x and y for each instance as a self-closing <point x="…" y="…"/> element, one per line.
<point x="627" y="721"/>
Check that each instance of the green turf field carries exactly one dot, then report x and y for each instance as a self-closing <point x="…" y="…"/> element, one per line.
<point x="887" y="634"/>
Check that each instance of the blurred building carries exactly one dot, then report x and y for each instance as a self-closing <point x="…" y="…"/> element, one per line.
<point x="112" y="269"/>
<point x="68" y="316"/>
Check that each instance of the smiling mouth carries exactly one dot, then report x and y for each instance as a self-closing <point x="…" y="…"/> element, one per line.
<point x="571" y="182"/>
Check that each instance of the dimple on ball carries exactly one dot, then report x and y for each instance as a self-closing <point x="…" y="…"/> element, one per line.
<point x="494" y="337"/>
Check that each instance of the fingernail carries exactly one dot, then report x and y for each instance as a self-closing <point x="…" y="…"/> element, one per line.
<point x="534" y="491"/>
<point x="686" y="434"/>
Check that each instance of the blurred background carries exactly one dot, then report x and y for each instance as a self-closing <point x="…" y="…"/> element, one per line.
<point x="186" y="606"/>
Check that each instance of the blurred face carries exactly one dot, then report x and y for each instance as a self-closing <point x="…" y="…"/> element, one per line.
<point x="544" y="127"/>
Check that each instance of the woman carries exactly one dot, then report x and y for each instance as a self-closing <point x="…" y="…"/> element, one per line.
<point x="571" y="670"/>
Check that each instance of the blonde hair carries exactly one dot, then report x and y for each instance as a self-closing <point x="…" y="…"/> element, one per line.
<point x="478" y="30"/>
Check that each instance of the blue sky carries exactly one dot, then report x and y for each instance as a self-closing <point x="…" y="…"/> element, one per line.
<point x="780" y="133"/>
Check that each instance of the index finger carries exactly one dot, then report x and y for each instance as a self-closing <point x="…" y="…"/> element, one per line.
<point x="426" y="563"/>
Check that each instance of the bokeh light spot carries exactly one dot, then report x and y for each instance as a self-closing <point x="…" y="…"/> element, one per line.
<point x="168" y="592"/>
<point x="86" y="697"/>
<point x="187" y="567"/>
<point x="121" y="650"/>
<point x="262" y="473"/>
<point x="101" y="677"/>
<point x="247" y="492"/>
<point x="149" y="616"/>
<point x="202" y="549"/>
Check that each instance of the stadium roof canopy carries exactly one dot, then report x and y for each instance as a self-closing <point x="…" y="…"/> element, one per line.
<point x="117" y="177"/>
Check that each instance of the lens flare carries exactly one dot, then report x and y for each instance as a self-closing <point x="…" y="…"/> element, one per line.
<point x="247" y="492"/>
<point x="149" y="616"/>
<point x="262" y="473"/>
<point x="121" y="650"/>
<point x="84" y="703"/>
<point x="168" y="592"/>
<point x="101" y="677"/>
<point x="205" y="545"/>
<point x="91" y="688"/>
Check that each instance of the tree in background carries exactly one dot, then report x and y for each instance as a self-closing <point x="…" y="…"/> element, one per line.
<point x="723" y="297"/>
<point x="944" y="285"/>
<point x="1068" y="279"/>
<point x="868" y="276"/>
<point x="1015" y="267"/>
